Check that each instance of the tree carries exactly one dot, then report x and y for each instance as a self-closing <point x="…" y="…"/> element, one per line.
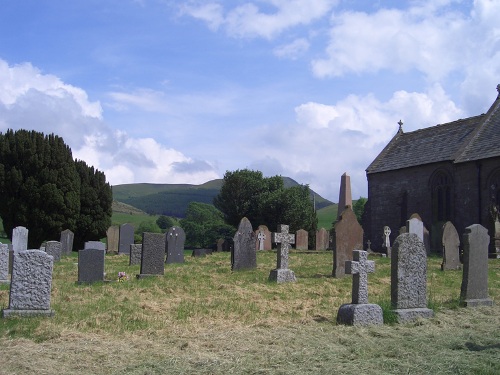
<point x="39" y="185"/>
<point x="96" y="200"/>
<point x="204" y="225"/>
<point x="359" y="208"/>
<point x="165" y="222"/>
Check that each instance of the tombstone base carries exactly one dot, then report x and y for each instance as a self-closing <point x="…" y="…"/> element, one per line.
<point x="476" y="302"/>
<point x="364" y="314"/>
<point x="26" y="313"/>
<point x="410" y="315"/>
<point x="282" y="275"/>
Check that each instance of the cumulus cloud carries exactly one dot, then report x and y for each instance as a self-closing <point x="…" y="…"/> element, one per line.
<point x="250" y="21"/>
<point x="30" y="99"/>
<point x="292" y="50"/>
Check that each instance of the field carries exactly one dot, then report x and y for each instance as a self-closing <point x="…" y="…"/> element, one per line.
<point x="201" y="318"/>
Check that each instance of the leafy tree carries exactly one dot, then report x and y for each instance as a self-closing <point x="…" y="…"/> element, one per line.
<point x="165" y="222"/>
<point x="359" y="208"/>
<point x="39" y="185"/>
<point x="96" y="200"/>
<point x="204" y="224"/>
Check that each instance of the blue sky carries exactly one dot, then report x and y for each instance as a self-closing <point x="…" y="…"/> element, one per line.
<point x="166" y="91"/>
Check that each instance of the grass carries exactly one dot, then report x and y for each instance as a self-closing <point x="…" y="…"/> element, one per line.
<point x="201" y="318"/>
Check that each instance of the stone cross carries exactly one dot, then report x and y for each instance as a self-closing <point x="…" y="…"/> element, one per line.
<point x="359" y="269"/>
<point x="283" y="239"/>
<point x="387" y="233"/>
<point x="369" y="243"/>
<point x="261" y="237"/>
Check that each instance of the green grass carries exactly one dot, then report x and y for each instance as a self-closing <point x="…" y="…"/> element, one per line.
<point x="201" y="318"/>
<point x="326" y="216"/>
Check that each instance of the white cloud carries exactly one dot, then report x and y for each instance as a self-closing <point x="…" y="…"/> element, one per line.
<point x="250" y="21"/>
<point x="292" y="50"/>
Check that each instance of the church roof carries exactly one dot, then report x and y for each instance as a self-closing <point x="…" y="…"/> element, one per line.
<point x="464" y="140"/>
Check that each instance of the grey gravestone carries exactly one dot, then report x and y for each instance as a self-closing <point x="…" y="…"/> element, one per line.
<point x="153" y="254"/>
<point x="474" y="290"/>
<point x="387" y="241"/>
<point x="220" y="244"/>
<point x="199" y="253"/>
<point x="348" y="237"/>
<point x="90" y="265"/>
<point x="409" y="278"/>
<point x="244" y="255"/>
<point x="19" y="239"/>
<point x="360" y="312"/>
<point x="4" y="264"/>
<point x="95" y="245"/>
<point x="54" y="248"/>
<point x="126" y="238"/>
<point x="302" y="239"/>
<point x="113" y="238"/>
<point x="135" y="254"/>
<point x="31" y="284"/>
<point x="416" y="225"/>
<point x="176" y="237"/>
<point x="322" y="239"/>
<point x="284" y="239"/>
<point x="263" y="238"/>
<point x="451" y="251"/>
<point x="67" y="237"/>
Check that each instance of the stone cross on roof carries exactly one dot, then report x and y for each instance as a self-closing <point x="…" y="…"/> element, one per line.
<point x="359" y="268"/>
<point x="283" y="239"/>
<point x="261" y="237"/>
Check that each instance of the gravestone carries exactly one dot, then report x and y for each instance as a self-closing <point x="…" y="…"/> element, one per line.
<point x="420" y="230"/>
<point x="4" y="264"/>
<point x="345" y="196"/>
<point x="19" y="239"/>
<point x="175" y="245"/>
<point x="282" y="274"/>
<point x="90" y="265"/>
<point x="451" y="251"/>
<point x="302" y="239"/>
<point x="153" y="254"/>
<point x="66" y="240"/>
<point x="474" y="290"/>
<point x="409" y="278"/>
<point x="31" y="284"/>
<point x="54" y="248"/>
<point x="387" y="241"/>
<point x="135" y="254"/>
<point x="263" y="238"/>
<point x="360" y="312"/>
<point x="126" y="238"/>
<point x="199" y="253"/>
<point x="95" y="245"/>
<point x="322" y="239"/>
<point x="113" y="238"/>
<point x="348" y="237"/>
<point x="244" y="255"/>
<point x="220" y="243"/>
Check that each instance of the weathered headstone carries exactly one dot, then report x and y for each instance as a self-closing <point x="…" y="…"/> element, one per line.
<point x="95" y="245"/>
<point x="199" y="253"/>
<point x="90" y="265"/>
<point x="244" y="255"/>
<point x="302" y="239"/>
<point x="345" y="196"/>
<point x="409" y="278"/>
<point x="113" y="238"/>
<point x="474" y="290"/>
<point x="54" y="248"/>
<point x="263" y="238"/>
<point x="416" y="225"/>
<point x="451" y="251"/>
<point x="220" y="243"/>
<point x="19" y="239"/>
<point x="66" y="240"/>
<point x="176" y="237"/>
<point x="135" y="254"/>
<point x="4" y="264"/>
<point x="31" y="283"/>
<point x="153" y="254"/>
<point x="322" y="239"/>
<point x="126" y="238"/>
<point x="348" y="237"/>
<point x="360" y="312"/>
<point x="387" y="241"/>
<point x="282" y="273"/>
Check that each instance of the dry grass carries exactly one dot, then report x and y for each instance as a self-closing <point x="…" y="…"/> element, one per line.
<point x="200" y="318"/>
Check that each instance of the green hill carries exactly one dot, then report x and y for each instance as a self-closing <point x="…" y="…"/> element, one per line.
<point x="173" y="199"/>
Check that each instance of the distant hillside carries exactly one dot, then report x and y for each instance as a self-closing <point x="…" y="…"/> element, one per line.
<point x="173" y="199"/>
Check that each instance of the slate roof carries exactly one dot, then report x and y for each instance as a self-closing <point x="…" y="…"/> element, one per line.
<point x="469" y="139"/>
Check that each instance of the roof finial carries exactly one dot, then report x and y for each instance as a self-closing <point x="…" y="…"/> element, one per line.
<point x="400" y="123"/>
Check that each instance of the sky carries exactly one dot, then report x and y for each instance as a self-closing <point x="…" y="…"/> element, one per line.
<point x="162" y="91"/>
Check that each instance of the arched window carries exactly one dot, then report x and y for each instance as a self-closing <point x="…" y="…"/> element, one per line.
<point x="441" y="185"/>
<point x="494" y="192"/>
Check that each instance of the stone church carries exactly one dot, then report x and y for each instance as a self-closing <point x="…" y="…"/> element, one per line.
<point x="448" y="172"/>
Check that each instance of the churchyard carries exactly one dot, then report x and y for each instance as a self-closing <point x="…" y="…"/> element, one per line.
<point x="200" y="317"/>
